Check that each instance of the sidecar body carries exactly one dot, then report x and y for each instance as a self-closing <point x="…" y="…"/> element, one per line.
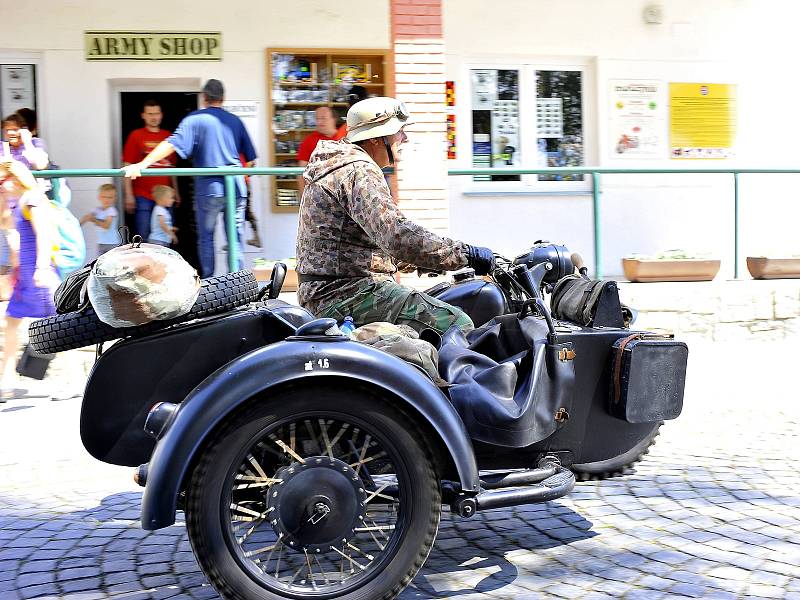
<point x="211" y="368"/>
<point x="308" y="463"/>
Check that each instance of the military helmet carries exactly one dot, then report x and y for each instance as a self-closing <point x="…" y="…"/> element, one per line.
<point x="376" y="117"/>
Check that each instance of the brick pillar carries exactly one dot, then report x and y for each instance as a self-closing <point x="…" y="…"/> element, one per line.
<point x="419" y="70"/>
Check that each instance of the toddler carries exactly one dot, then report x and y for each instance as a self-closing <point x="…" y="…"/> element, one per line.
<point x="161" y="230"/>
<point x="105" y="218"/>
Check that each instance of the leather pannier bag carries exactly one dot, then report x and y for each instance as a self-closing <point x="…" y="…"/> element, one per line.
<point x="648" y="375"/>
<point x="589" y="302"/>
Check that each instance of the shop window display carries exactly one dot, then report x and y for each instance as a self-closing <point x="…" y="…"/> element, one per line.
<point x="300" y="81"/>
<point x="552" y="109"/>
<point x="559" y="122"/>
<point x="495" y="121"/>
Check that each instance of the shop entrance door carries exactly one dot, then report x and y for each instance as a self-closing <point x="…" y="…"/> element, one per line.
<point x="174" y="106"/>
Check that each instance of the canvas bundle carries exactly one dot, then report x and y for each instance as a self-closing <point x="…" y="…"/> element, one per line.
<point x="139" y="283"/>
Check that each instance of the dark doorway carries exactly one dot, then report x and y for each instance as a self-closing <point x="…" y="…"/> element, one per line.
<point x="174" y="106"/>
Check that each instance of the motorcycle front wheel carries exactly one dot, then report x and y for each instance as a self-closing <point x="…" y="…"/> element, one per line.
<point x="314" y="492"/>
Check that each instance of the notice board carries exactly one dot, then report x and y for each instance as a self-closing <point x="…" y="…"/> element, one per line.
<point x="702" y="120"/>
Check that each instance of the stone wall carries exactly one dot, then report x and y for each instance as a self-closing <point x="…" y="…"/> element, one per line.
<point x="718" y="310"/>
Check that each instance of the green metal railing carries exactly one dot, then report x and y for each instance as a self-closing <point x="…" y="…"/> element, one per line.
<point x="229" y="173"/>
<point x="595" y="172"/>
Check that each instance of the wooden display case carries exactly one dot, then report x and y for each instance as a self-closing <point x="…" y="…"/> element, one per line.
<point x="298" y="82"/>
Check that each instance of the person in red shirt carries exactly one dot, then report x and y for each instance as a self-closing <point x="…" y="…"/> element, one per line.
<point x="325" y="130"/>
<point x="139" y="192"/>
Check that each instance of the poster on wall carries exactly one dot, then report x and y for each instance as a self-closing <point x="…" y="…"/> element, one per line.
<point x="702" y="120"/>
<point x="484" y="89"/>
<point x="549" y="118"/>
<point x="248" y="112"/>
<point x="505" y="133"/>
<point x="481" y="154"/>
<point x="17" y="88"/>
<point x="637" y="118"/>
<point x="450" y="93"/>
<point x="451" y="137"/>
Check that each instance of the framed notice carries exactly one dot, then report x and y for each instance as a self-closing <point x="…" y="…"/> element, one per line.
<point x="17" y="88"/>
<point x="636" y="118"/>
<point x="702" y="120"/>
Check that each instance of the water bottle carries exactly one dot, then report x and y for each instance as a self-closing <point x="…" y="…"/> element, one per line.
<point x="348" y="326"/>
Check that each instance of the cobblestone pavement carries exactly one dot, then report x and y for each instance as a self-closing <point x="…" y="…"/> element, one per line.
<point x="713" y="511"/>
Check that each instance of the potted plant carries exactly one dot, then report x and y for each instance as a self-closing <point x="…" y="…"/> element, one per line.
<point x="262" y="268"/>
<point x="764" y="267"/>
<point x="670" y="265"/>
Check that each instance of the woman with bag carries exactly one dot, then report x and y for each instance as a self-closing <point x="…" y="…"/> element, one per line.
<point x="24" y="208"/>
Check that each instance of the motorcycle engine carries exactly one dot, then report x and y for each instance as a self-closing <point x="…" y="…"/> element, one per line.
<point x="557" y="256"/>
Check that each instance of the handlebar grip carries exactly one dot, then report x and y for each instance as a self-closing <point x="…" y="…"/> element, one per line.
<point x="525" y="279"/>
<point x="577" y="260"/>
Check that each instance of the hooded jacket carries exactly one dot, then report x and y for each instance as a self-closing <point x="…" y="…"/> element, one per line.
<point x="350" y="227"/>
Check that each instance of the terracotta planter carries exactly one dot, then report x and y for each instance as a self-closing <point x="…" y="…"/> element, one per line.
<point x="289" y="284"/>
<point x="761" y="267"/>
<point x="686" y="269"/>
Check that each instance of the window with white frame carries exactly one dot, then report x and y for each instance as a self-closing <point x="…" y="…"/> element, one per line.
<point x="527" y="116"/>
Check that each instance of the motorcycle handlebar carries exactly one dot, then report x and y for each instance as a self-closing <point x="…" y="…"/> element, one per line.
<point x="577" y="260"/>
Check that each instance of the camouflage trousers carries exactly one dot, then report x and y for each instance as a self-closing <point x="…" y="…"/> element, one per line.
<point x="392" y="302"/>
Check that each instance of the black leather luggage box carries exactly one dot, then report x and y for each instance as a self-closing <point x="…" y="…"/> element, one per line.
<point x="648" y="374"/>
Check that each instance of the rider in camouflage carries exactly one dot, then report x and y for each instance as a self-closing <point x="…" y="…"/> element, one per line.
<point x="352" y="238"/>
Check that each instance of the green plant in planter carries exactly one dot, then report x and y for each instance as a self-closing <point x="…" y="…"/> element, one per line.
<point x="676" y="254"/>
<point x="671" y="265"/>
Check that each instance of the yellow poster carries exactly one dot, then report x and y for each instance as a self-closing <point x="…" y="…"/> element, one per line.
<point x="702" y="120"/>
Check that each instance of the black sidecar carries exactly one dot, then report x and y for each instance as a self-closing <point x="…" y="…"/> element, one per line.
<point x="313" y="466"/>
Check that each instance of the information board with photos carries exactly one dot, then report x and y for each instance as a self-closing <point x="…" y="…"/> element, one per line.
<point x="17" y="88"/>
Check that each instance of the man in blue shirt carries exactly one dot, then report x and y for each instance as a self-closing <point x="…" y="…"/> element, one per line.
<point x="212" y="137"/>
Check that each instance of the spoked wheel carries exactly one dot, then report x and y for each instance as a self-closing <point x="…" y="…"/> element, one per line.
<point x="314" y="494"/>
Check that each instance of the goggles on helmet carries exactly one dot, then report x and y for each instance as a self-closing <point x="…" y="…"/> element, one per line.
<point x="400" y="112"/>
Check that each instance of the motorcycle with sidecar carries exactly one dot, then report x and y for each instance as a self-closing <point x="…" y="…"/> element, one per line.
<point x="309" y="465"/>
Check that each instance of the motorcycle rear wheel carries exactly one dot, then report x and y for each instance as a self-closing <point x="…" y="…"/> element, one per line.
<point x="311" y="463"/>
<point x="617" y="465"/>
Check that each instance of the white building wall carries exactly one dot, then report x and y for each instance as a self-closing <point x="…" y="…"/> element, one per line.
<point x="743" y="42"/>
<point x="747" y="42"/>
<point x="75" y="98"/>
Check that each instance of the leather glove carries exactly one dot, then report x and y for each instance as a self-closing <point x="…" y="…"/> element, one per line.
<point x="481" y="259"/>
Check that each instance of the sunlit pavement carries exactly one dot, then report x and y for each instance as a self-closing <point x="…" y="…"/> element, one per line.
<point x="713" y="511"/>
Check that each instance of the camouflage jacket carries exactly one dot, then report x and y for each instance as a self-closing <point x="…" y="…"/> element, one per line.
<point x="350" y="226"/>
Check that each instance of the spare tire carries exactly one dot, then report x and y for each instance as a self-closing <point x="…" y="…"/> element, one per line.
<point x="84" y="328"/>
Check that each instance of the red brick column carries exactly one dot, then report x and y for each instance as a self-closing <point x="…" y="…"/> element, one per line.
<point x="419" y="72"/>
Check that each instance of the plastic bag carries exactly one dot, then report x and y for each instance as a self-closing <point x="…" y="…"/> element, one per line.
<point x="138" y="283"/>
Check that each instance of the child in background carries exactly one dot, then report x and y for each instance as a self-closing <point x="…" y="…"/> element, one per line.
<point x="105" y="218"/>
<point x="161" y="230"/>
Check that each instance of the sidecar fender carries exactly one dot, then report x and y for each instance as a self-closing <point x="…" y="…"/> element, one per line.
<point x="257" y="372"/>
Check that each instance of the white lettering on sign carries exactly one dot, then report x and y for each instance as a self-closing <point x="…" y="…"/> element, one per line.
<point x="143" y="45"/>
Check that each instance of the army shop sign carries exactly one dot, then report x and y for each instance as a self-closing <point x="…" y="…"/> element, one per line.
<point x="153" y="45"/>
